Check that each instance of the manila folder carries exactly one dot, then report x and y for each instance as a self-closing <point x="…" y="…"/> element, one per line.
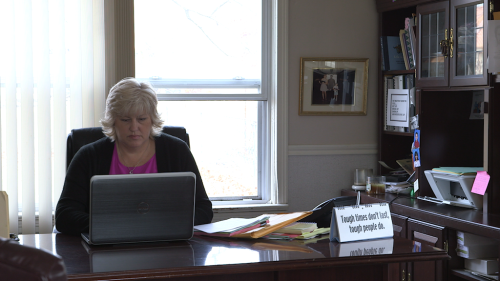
<point x="276" y="221"/>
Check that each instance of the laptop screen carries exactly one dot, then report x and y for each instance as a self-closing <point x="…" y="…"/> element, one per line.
<point x="141" y="207"/>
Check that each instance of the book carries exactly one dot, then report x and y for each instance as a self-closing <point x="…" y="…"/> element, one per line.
<point x="410" y="41"/>
<point x="276" y="221"/>
<point x="392" y="53"/>
<point x="388" y="84"/>
<point x="298" y="228"/>
<point x="404" y="48"/>
<point x="399" y="82"/>
<point x="382" y="65"/>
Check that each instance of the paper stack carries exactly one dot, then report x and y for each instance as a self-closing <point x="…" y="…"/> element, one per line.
<point x="231" y="227"/>
<point x="298" y="228"/>
<point x="250" y="228"/>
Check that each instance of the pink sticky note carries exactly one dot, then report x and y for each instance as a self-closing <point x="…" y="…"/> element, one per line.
<point x="481" y="182"/>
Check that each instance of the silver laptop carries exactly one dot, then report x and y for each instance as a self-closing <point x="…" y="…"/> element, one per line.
<point x="141" y="208"/>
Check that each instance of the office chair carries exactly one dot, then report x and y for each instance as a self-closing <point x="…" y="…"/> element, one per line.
<point x="19" y="262"/>
<point x="80" y="137"/>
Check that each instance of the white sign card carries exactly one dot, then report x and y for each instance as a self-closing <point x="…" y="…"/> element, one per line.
<point x="361" y="222"/>
<point x="362" y="248"/>
<point x="398" y="107"/>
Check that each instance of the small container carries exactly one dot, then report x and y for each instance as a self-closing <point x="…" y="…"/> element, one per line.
<point x="375" y="185"/>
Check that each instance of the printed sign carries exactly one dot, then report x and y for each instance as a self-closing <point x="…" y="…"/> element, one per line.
<point x="361" y="222"/>
<point x="398" y="107"/>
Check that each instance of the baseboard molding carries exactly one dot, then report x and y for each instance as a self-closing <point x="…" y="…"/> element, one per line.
<point x="332" y="149"/>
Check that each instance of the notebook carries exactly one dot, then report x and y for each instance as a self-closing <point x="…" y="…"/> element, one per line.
<point x="141" y="208"/>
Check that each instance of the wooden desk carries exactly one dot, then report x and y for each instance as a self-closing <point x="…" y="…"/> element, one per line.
<point x="437" y="224"/>
<point x="204" y="258"/>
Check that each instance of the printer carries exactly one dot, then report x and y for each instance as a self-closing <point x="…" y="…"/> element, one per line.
<point x="453" y="189"/>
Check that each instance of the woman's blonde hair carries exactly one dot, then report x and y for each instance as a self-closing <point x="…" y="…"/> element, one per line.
<point x="130" y="96"/>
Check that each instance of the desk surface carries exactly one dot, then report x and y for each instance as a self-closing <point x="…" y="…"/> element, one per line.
<point x="458" y="218"/>
<point x="204" y="256"/>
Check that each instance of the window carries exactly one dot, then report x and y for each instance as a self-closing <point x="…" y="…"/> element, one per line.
<point x="209" y="62"/>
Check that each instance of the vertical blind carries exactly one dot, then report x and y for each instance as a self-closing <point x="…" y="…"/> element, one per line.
<point x="51" y="81"/>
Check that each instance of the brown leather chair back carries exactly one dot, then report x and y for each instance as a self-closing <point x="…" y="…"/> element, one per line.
<point x="19" y="262"/>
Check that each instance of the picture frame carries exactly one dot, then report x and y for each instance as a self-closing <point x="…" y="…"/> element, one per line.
<point x="345" y="95"/>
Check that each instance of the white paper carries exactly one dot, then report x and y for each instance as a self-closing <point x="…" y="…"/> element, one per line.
<point x="398" y="107"/>
<point x="225" y="225"/>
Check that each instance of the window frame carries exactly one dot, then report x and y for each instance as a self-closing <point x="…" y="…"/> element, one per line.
<point x="263" y="89"/>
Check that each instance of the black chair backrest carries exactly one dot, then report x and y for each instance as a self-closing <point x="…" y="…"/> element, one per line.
<point x="80" y="137"/>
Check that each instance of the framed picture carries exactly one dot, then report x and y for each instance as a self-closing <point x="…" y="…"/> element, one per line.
<point x="333" y="86"/>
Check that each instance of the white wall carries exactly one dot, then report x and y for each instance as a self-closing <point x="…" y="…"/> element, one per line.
<point x="325" y="150"/>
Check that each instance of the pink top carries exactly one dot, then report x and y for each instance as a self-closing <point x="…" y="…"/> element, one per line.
<point x="118" y="168"/>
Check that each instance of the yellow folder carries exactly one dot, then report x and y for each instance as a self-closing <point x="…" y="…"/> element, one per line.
<point x="276" y="221"/>
<point x="4" y="215"/>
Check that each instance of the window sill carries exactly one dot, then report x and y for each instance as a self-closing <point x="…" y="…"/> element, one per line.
<point x="222" y="212"/>
<point x="249" y="208"/>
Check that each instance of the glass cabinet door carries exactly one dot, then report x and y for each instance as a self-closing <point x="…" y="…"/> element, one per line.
<point x="469" y="41"/>
<point x="433" y="30"/>
<point x="452" y="43"/>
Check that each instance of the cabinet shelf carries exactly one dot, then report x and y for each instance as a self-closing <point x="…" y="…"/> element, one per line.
<point x="398" y="72"/>
<point x="467" y="275"/>
<point x="406" y="134"/>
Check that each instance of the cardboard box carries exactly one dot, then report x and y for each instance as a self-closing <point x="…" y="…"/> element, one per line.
<point x="477" y="251"/>
<point x="484" y="266"/>
<point x="467" y="239"/>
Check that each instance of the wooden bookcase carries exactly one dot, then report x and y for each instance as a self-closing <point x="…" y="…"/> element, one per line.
<point x="448" y="138"/>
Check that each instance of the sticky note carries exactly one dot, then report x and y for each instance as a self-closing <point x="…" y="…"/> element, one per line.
<point x="481" y="182"/>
